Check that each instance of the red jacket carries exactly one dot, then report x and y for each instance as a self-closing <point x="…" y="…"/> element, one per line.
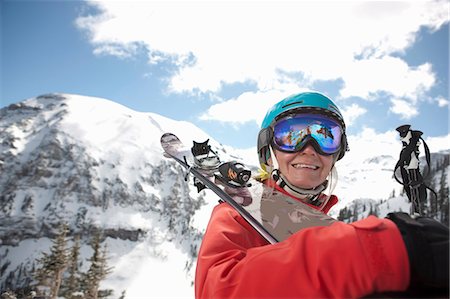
<point x="337" y="261"/>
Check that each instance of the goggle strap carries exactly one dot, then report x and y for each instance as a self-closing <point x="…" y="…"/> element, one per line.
<point x="265" y="137"/>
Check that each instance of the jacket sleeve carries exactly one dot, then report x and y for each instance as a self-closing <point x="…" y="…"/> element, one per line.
<point x="337" y="261"/>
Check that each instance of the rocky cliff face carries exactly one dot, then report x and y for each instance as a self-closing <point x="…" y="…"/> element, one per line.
<point x="94" y="165"/>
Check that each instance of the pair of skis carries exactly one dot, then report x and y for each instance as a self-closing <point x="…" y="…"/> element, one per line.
<point x="274" y="215"/>
<point x="175" y="149"/>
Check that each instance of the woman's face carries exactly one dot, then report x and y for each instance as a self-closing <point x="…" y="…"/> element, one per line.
<point x="305" y="169"/>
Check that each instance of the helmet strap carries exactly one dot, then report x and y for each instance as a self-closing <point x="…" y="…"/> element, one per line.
<point x="275" y="164"/>
<point x="311" y="196"/>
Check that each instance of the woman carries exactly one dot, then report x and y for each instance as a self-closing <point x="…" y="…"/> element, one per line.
<point x="301" y="138"/>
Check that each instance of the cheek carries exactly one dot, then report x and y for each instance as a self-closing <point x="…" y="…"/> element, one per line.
<point x="282" y="158"/>
<point x="327" y="164"/>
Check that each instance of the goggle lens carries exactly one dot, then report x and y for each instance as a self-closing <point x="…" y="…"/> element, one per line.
<point x="292" y="133"/>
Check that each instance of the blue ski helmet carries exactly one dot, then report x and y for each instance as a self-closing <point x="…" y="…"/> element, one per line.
<point x="305" y="102"/>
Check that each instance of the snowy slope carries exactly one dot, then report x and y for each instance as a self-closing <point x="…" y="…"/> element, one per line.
<point x="96" y="164"/>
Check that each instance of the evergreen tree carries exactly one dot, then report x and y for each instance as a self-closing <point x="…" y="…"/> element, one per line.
<point x="443" y="199"/>
<point x="122" y="296"/>
<point x="98" y="269"/>
<point x="345" y="215"/>
<point x="53" y="264"/>
<point x="71" y="286"/>
<point x="373" y="210"/>
<point x="392" y="193"/>
<point x="355" y="212"/>
<point x="8" y="295"/>
<point x="433" y="207"/>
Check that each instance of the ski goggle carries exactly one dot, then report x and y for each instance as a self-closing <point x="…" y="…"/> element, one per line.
<point x="293" y="133"/>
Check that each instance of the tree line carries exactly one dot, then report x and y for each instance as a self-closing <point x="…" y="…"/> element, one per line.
<point x="435" y="206"/>
<point x="58" y="273"/>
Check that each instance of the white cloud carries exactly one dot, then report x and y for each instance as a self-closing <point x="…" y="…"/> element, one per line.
<point x="403" y="108"/>
<point x="217" y="42"/>
<point x="352" y="112"/>
<point x="249" y="106"/>
<point x="252" y="106"/>
<point x="365" y="77"/>
<point x="442" y="102"/>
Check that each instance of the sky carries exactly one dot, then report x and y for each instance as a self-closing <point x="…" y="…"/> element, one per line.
<point x="222" y="64"/>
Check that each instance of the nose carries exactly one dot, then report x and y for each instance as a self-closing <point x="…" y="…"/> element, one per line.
<point x="309" y="150"/>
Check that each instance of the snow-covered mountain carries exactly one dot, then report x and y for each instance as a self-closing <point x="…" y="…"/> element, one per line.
<point x="371" y="189"/>
<point x="95" y="164"/>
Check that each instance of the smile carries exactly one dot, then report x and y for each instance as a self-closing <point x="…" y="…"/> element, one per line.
<point x="301" y="165"/>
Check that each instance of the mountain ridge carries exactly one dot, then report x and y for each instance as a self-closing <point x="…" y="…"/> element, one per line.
<point x="96" y="164"/>
<point x="84" y="161"/>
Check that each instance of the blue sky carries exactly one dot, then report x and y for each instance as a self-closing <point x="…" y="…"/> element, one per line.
<point x="221" y="65"/>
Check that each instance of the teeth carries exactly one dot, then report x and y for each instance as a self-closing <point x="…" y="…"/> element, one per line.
<point x="305" y="166"/>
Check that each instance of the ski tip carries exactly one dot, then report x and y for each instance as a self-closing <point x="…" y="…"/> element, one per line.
<point x="169" y="137"/>
<point x="171" y="144"/>
<point x="169" y="140"/>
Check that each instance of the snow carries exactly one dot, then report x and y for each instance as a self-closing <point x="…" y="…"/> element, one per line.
<point x="125" y="145"/>
<point x="149" y="271"/>
<point x="22" y="252"/>
<point x="122" y="144"/>
<point x="203" y="214"/>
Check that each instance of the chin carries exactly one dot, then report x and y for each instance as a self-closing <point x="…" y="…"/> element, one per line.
<point x="303" y="185"/>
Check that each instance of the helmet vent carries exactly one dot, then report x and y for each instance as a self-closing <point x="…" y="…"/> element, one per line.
<point x="293" y="103"/>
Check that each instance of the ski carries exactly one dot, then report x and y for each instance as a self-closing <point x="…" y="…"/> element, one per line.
<point x="275" y="215"/>
<point x="175" y="149"/>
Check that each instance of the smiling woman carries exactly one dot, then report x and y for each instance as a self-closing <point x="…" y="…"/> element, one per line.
<point x="301" y="138"/>
<point x="325" y="261"/>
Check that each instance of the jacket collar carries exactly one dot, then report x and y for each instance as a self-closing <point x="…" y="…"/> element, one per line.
<point x="326" y="202"/>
